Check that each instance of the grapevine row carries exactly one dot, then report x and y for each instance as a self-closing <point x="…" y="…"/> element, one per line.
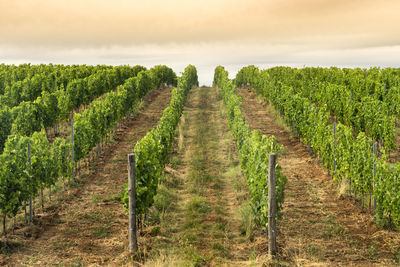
<point x="151" y="152"/>
<point x="94" y="123"/>
<point x="347" y="157"/>
<point x="381" y="84"/>
<point x="253" y="148"/>
<point x="30" y="164"/>
<point x="26" y="83"/>
<point x="52" y="107"/>
<point x="363" y="113"/>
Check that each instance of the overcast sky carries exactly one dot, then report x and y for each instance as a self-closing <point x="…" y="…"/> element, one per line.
<point x="206" y="33"/>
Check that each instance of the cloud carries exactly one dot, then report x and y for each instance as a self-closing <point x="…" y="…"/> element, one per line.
<point x="207" y="33"/>
<point x="323" y="23"/>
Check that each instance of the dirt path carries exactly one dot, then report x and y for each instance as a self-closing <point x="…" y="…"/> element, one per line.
<point x="88" y="225"/>
<point x="201" y="225"/>
<point x="319" y="227"/>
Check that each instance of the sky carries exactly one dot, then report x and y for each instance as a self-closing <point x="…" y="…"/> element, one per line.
<point x="207" y="33"/>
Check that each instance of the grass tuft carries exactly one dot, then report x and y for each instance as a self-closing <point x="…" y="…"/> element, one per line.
<point x="247" y="220"/>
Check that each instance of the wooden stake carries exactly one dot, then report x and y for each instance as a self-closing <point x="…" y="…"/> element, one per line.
<point x="4" y="225"/>
<point x="41" y="197"/>
<point x="271" y="207"/>
<point x="26" y="218"/>
<point x="334" y="145"/>
<point x="72" y="149"/>
<point x="373" y="190"/>
<point x="133" y="247"/>
<point x="30" y="199"/>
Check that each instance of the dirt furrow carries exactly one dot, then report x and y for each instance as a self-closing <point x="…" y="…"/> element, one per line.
<point x="202" y="226"/>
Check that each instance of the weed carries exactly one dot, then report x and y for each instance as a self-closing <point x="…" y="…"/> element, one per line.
<point x="96" y="198"/>
<point x="60" y="245"/>
<point x="7" y="247"/>
<point x="252" y="255"/>
<point x="175" y="162"/>
<point x="90" y="217"/>
<point x="197" y="205"/>
<point x="312" y="250"/>
<point x="164" y="199"/>
<point x="155" y="230"/>
<point x="115" y="197"/>
<point x="334" y="230"/>
<point x="247" y="220"/>
<point x="354" y="242"/>
<point x="71" y="230"/>
<point x="195" y="257"/>
<point x="76" y="182"/>
<point x="218" y="247"/>
<point x="103" y="231"/>
<point x="371" y="251"/>
<point x="397" y="257"/>
<point x="171" y="181"/>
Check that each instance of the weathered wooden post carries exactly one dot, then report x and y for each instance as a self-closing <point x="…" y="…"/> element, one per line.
<point x="334" y="145"/>
<point x="133" y="247"/>
<point x="116" y="124"/>
<point x="73" y="150"/>
<point x="271" y="207"/>
<point x="375" y="154"/>
<point x="30" y="199"/>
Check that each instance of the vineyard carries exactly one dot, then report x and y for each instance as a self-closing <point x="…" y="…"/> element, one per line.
<point x="201" y="190"/>
<point x="341" y="125"/>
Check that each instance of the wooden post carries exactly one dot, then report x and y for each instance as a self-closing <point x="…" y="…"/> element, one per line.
<point x="72" y="149"/>
<point x="4" y="225"/>
<point x="133" y="247"/>
<point x="334" y="145"/>
<point x="375" y="153"/>
<point x="116" y="124"/>
<point x="26" y="214"/>
<point x="271" y="207"/>
<point x="30" y="199"/>
<point x="293" y="133"/>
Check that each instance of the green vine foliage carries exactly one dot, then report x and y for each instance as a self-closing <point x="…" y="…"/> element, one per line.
<point x="356" y="100"/>
<point x="59" y="97"/>
<point x="151" y="152"/>
<point x="95" y="122"/>
<point x="23" y="173"/>
<point x="254" y="149"/>
<point x="353" y="154"/>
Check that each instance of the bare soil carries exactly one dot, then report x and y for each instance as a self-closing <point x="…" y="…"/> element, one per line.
<point x="320" y="225"/>
<point x="87" y="225"/>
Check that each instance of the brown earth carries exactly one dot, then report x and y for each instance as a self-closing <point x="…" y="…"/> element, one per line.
<point x="87" y="225"/>
<point x="320" y="225"/>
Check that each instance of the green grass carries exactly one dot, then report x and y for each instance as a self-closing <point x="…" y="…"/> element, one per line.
<point x="331" y="229"/>
<point x="102" y="231"/>
<point x="247" y="217"/>
<point x="175" y="162"/>
<point x="96" y="198"/>
<point x="199" y="210"/>
<point x="7" y="247"/>
<point x="197" y="206"/>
